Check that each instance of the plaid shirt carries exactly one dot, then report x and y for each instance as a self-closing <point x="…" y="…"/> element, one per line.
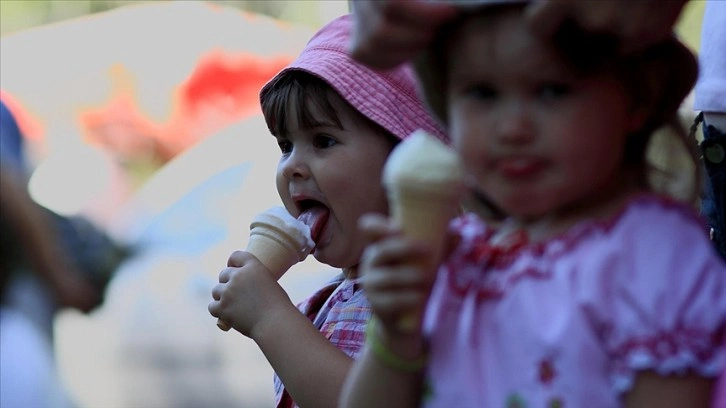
<point x="340" y="311"/>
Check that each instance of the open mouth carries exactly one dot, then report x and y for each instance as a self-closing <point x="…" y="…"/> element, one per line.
<point x="315" y="215"/>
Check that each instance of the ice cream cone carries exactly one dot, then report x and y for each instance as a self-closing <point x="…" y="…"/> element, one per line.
<point x="423" y="217"/>
<point x="424" y="181"/>
<point x="278" y="241"/>
<point x="275" y="248"/>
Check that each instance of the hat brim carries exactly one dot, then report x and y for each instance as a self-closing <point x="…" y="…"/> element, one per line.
<point x="400" y="112"/>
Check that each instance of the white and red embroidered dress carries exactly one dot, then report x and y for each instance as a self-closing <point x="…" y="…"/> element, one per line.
<point x="568" y="322"/>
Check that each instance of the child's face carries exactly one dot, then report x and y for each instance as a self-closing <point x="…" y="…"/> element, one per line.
<point x="339" y="169"/>
<point x="535" y="137"/>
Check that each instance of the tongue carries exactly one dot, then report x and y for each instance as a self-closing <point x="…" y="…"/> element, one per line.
<point x="315" y="218"/>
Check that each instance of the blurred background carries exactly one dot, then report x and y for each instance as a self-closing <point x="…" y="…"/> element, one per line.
<point x="143" y="118"/>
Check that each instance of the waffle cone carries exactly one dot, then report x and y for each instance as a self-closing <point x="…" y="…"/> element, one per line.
<point x="424" y="216"/>
<point x="276" y="250"/>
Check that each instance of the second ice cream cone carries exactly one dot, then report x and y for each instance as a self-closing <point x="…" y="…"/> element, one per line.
<point x="424" y="181"/>
<point x="423" y="218"/>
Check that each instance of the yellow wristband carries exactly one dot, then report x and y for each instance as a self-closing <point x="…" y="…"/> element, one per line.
<point x="389" y="358"/>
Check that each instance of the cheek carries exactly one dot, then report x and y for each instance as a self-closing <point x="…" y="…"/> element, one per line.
<point x="281" y="184"/>
<point x="364" y="189"/>
<point x="467" y="140"/>
<point x="370" y="187"/>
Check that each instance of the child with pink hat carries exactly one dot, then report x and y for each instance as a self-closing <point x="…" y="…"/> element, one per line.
<point x="335" y="122"/>
<point x="601" y="287"/>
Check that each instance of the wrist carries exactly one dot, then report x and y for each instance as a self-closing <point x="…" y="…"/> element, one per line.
<point x="400" y="352"/>
<point x="271" y="320"/>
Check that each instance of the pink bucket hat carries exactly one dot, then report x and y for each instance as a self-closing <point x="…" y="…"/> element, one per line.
<point x="388" y="98"/>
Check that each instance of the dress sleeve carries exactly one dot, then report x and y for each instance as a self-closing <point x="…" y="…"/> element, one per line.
<point x="658" y="297"/>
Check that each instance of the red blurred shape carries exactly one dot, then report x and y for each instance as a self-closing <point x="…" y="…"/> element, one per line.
<point x="222" y="89"/>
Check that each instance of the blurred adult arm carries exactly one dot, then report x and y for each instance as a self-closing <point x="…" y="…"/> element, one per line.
<point x="390" y="32"/>
<point x="387" y="33"/>
<point x="38" y="240"/>
<point x="638" y="24"/>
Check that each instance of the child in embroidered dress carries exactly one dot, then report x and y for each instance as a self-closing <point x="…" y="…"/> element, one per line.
<point x="600" y="289"/>
<point x="335" y="122"/>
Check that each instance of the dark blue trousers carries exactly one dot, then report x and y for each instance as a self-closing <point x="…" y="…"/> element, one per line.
<point x="713" y="204"/>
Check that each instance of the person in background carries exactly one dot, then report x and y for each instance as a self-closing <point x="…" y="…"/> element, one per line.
<point x="35" y="276"/>
<point x="711" y="102"/>
<point x="335" y="122"/>
<point x="599" y="287"/>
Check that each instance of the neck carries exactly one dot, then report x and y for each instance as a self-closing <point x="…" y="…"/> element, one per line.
<point x="603" y="205"/>
<point x="351" y="272"/>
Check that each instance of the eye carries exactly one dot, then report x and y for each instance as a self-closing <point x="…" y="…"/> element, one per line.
<point x="553" y="90"/>
<point x="323" y="141"/>
<point x="284" y="145"/>
<point x="481" y="92"/>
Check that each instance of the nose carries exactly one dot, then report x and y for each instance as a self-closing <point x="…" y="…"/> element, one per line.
<point x="515" y="124"/>
<point x="294" y="166"/>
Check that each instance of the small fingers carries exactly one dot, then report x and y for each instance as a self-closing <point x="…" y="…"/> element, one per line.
<point x="389" y="47"/>
<point x="217" y="291"/>
<point x="375" y="227"/>
<point x="239" y="258"/>
<point x="396" y="252"/>
<point x="400" y="277"/>
<point x="225" y="274"/>
<point x="214" y="307"/>
<point x="426" y="15"/>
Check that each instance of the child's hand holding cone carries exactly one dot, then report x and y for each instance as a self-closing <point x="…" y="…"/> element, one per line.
<point x="279" y="241"/>
<point x="424" y="182"/>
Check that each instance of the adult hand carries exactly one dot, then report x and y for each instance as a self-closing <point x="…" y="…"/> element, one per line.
<point x="247" y="294"/>
<point x="389" y="32"/>
<point x="637" y="24"/>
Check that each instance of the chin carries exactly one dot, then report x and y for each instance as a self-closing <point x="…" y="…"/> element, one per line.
<point x="321" y="257"/>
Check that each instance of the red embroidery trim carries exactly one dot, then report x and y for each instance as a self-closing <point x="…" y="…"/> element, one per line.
<point x="477" y="265"/>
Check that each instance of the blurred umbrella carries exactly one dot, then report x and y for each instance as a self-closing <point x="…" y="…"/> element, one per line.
<point x="154" y="77"/>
